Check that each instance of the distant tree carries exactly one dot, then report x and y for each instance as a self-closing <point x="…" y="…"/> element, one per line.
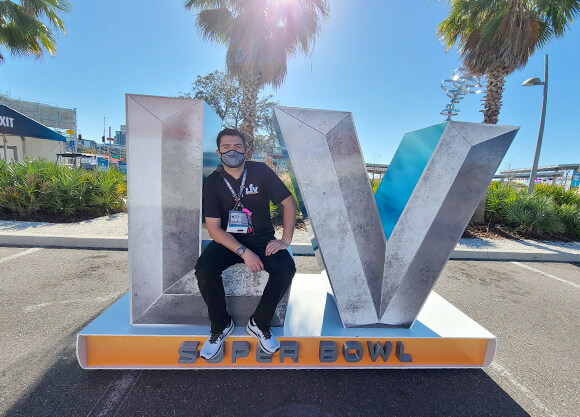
<point x="260" y="35"/>
<point x="496" y="37"/>
<point x="265" y="139"/>
<point x="22" y="28"/>
<point x="224" y="95"/>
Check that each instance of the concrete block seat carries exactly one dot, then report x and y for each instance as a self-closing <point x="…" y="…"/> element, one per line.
<point x="182" y="303"/>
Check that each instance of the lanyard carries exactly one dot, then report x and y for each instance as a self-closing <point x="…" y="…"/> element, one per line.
<point x="237" y="197"/>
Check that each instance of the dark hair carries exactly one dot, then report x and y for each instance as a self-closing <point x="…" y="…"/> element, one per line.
<point x="230" y="132"/>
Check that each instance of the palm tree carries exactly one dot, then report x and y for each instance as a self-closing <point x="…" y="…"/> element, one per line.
<point x="496" y="37"/>
<point x="260" y="35"/>
<point x="22" y="31"/>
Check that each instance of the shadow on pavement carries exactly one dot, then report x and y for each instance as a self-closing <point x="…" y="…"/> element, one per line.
<point x="67" y="390"/>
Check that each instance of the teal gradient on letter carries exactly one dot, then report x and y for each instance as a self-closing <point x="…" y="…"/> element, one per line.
<point x="212" y="124"/>
<point x="404" y="171"/>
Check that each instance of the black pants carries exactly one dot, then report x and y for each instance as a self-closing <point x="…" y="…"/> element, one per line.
<point x="217" y="258"/>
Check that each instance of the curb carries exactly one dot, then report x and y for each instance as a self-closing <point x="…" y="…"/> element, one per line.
<point x="482" y="255"/>
<point x="298" y="249"/>
<point x="63" y="241"/>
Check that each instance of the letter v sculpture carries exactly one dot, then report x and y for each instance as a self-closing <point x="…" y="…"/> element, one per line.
<point x="384" y="253"/>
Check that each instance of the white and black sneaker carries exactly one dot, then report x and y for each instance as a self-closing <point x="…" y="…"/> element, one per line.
<point x="215" y="341"/>
<point x="267" y="342"/>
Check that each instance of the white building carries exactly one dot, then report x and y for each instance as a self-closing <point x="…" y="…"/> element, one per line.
<point x="20" y="135"/>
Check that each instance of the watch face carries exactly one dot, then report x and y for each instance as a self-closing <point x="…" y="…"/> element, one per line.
<point x="241" y="251"/>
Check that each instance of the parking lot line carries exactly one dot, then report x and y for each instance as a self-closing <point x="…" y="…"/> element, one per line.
<point x="19" y="254"/>
<point x="546" y="274"/>
<point x="115" y="395"/>
<point x="507" y="375"/>
<point x="35" y="307"/>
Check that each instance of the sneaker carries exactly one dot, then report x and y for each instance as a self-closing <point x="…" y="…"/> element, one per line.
<point x="215" y="341"/>
<point x="267" y="342"/>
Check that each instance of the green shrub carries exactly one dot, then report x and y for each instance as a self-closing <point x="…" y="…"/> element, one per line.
<point x="569" y="214"/>
<point x="558" y="194"/>
<point x="277" y="212"/>
<point x="499" y="196"/>
<point x="534" y="214"/>
<point x="548" y="211"/>
<point x="31" y="189"/>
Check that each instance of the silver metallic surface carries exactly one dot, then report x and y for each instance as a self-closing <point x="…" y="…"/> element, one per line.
<point x="352" y="351"/>
<point x="327" y="163"/>
<point x="171" y="148"/>
<point x="288" y="349"/>
<point x="261" y="356"/>
<point x="188" y="352"/>
<point x="377" y="283"/>
<point x="240" y="349"/>
<point x="165" y="139"/>
<point x="460" y="84"/>
<point x="401" y="355"/>
<point x="443" y="201"/>
<point x="327" y="351"/>
<point x="376" y="350"/>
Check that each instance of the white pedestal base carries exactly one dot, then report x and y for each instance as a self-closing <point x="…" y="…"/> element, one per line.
<point x="312" y="337"/>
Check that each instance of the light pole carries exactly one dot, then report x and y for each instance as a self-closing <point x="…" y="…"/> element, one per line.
<point x="527" y="83"/>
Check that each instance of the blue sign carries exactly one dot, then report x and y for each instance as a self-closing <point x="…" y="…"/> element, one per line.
<point x="102" y="163"/>
<point x="122" y="166"/>
<point x="14" y="123"/>
<point x="575" y="178"/>
<point x="72" y="144"/>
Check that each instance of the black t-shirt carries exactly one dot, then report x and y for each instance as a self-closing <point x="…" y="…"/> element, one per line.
<point x="262" y="186"/>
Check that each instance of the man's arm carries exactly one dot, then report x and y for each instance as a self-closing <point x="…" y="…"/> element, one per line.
<point x="289" y="220"/>
<point x="220" y="236"/>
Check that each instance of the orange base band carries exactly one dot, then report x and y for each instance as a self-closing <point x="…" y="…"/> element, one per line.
<point x="164" y="352"/>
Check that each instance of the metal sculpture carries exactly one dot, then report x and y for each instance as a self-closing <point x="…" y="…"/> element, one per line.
<point x="383" y="257"/>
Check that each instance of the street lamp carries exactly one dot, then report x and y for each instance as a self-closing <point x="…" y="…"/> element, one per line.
<point x="527" y="83"/>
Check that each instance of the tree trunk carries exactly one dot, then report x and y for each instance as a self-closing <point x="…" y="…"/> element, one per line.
<point x="251" y="85"/>
<point x="493" y="95"/>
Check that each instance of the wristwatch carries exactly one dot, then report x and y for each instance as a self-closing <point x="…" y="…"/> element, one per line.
<point x="241" y="250"/>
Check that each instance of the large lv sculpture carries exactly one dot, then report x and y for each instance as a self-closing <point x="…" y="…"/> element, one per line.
<point x="384" y="253"/>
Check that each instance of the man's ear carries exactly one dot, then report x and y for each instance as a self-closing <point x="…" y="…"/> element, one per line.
<point x="217" y="151"/>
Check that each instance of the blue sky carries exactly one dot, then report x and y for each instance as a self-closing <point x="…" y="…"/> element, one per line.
<point x="379" y="59"/>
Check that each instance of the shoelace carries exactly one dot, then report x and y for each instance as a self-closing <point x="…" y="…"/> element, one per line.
<point x="267" y="334"/>
<point x="214" y="337"/>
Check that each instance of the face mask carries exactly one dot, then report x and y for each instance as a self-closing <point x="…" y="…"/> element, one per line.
<point x="232" y="159"/>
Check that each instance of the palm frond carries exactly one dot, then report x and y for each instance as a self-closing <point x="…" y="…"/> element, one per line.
<point x="215" y="24"/>
<point x="205" y="4"/>
<point x="22" y="30"/>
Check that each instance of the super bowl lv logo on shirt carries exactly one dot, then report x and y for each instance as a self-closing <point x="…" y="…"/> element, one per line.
<point x="250" y="189"/>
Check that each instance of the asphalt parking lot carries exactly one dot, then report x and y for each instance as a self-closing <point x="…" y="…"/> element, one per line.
<point x="48" y="295"/>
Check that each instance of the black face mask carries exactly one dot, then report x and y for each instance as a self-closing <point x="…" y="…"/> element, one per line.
<point x="232" y="159"/>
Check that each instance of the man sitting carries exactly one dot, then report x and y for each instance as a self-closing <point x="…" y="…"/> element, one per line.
<point x="236" y="202"/>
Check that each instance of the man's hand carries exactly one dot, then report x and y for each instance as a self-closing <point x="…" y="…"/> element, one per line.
<point x="276" y="245"/>
<point x="252" y="261"/>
